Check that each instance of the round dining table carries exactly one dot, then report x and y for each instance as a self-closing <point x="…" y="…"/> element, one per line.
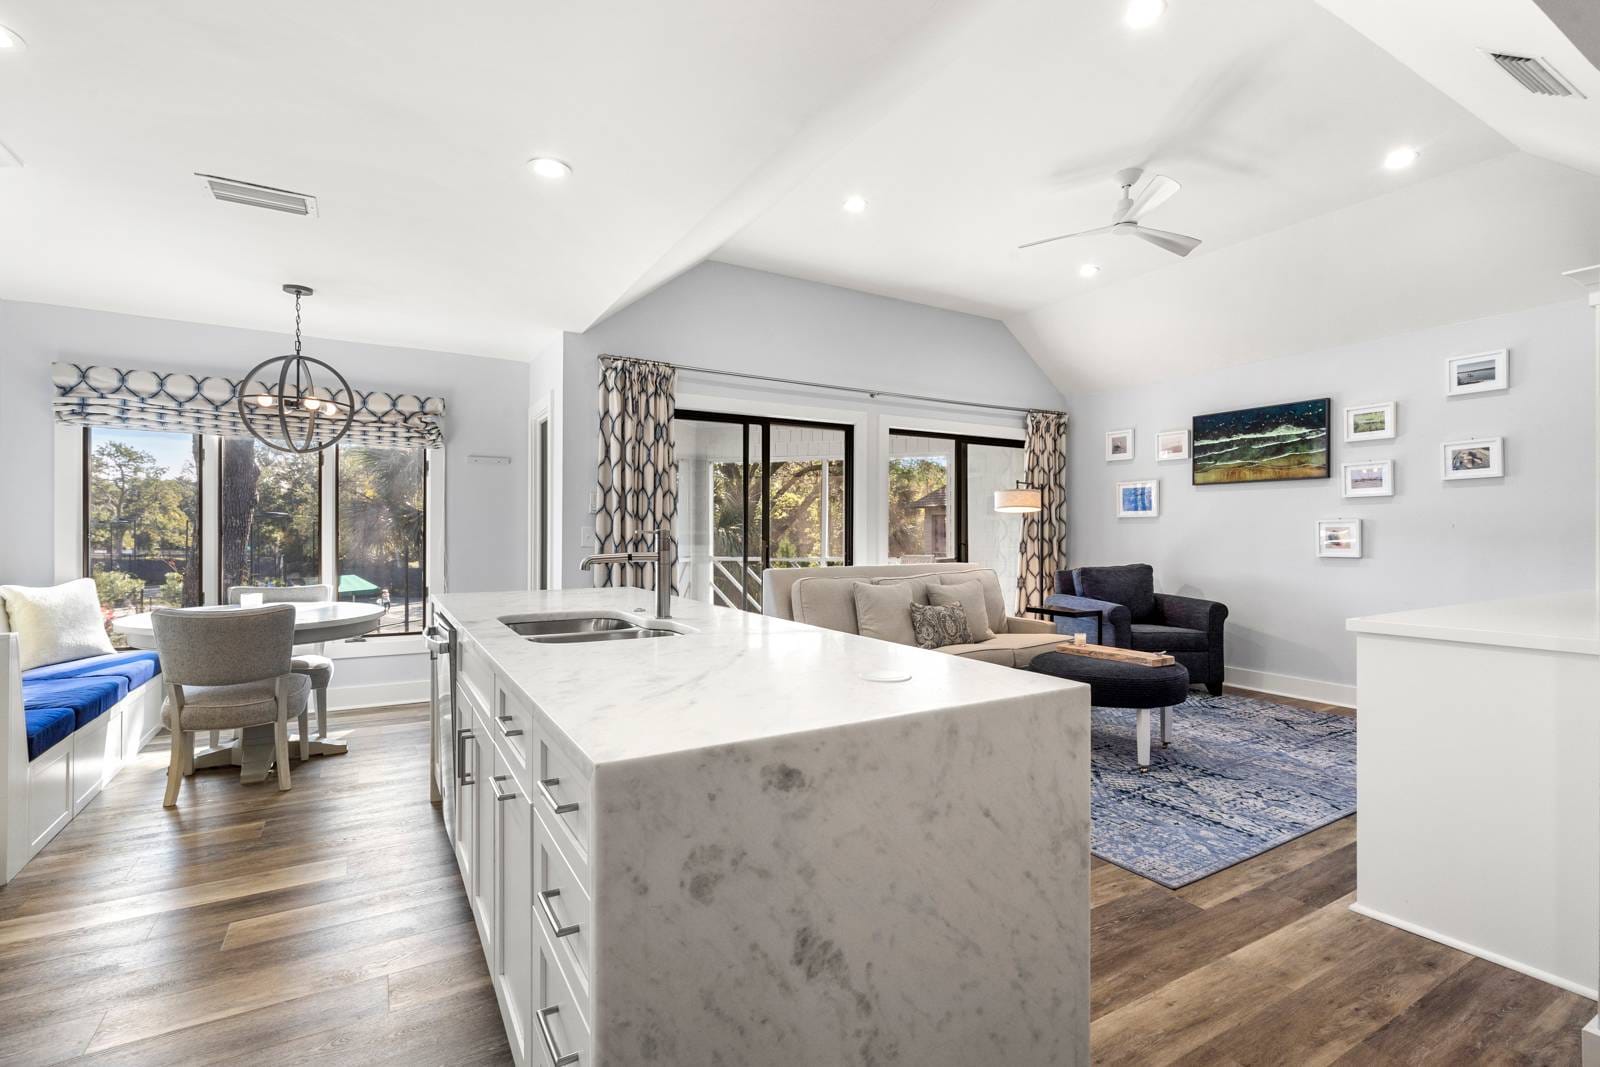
<point x="252" y="749"/>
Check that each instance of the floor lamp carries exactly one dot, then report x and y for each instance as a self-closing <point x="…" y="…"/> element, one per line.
<point x="1025" y="499"/>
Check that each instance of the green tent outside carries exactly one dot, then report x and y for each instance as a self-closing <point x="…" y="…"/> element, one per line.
<point x="354" y="583"/>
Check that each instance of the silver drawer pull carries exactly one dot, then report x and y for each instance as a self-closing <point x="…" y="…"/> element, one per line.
<point x="461" y="758"/>
<point x="545" y="897"/>
<point x="555" y="805"/>
<point x="556" y="1055"/>
<point x="501" y="720"/>
<point x="501" y="794"/>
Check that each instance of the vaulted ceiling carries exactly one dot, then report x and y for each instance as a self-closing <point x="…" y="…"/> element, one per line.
<point x="734" y="129"/>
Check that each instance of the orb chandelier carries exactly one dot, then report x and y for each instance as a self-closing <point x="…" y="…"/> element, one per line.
<point x="283" y="405"/>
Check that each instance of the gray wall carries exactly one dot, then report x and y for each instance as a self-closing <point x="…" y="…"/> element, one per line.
<point x="487" y="405"/>
<point x="734" y="318"/>
<point x="1432" y="543"/>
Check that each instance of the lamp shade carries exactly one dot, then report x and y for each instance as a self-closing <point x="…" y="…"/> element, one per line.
<point x="1023" y="500"/>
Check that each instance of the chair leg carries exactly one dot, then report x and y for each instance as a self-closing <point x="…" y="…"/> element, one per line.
<point x="216" y="738"/>
<point x="1164" y="726"/>
<point x="188" y="754"/>
<point x="281" y="730"/>
<point x="305" y="738"/>
<point x="321" y="695"/>
<point x="174" y="771"/>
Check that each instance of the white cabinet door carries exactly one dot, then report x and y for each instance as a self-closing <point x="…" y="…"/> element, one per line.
<point x="466" y="809"/>
<point x="486" y="842"/>
<point x="514" y="968"/>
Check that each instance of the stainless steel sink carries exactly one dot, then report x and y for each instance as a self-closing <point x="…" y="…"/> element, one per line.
<point x="629" y="633"/>
<point x="569" y="627"/>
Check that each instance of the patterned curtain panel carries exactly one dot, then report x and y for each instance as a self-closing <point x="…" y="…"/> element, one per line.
<point x="184" y="403"/>
<point x="1044" y="536"/>
<point x="637" y="473"/>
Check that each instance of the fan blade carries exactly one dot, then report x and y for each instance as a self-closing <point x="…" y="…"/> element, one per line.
<point x="1159" y="190"/>
<point x="1176" y="243"/>
<point x="1064" y="236"/>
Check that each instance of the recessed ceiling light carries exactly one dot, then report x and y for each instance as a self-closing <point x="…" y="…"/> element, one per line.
<point x="10" y="40"/>
<point x="1088" y="270"/>
<point x="855" y="205"/>
<point x="1400" y="158"/>
<point x="1142" y="14"/>
<point x="549" y="167"/>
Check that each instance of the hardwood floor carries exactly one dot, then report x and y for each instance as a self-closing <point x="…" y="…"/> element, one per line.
<point x="327" y="925"/>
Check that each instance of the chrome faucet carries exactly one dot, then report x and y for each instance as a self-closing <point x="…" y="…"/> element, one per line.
<point x="661" y="557"/>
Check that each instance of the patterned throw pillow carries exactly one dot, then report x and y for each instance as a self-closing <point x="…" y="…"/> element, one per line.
<point x="937" y="626"/>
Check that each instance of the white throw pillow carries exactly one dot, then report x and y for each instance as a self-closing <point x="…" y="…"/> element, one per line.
<point x="884" y="612"/>
<point x="57" y="623"/>
<point x="968" y="596"/>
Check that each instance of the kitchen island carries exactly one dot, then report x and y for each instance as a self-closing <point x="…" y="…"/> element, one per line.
<point x="727" y="845"/>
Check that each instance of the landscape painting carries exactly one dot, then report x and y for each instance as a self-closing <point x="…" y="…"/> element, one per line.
<point x="1267" y="444"/>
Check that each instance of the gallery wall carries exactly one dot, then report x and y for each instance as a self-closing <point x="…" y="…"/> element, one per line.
<point x="1434" y="542"/>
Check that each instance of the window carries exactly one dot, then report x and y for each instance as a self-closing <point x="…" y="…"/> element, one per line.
<point x="270" y="516"/>
<point x="142" y="519"/>
<point x="756" y="493"/>
<point x="382" y="533"/>
<point x="941" y="501"/>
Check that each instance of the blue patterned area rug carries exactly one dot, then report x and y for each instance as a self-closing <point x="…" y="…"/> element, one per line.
<point x="1241" y="775"/>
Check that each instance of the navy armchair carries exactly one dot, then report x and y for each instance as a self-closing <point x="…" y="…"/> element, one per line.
<point x="1134" y="615"/>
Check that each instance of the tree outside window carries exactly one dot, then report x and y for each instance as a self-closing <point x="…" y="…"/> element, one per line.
<point x="382" y="525"/>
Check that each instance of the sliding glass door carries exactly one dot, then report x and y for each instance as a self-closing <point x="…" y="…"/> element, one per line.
<point x="756" y="493"/>
<point x="941" y="501"/>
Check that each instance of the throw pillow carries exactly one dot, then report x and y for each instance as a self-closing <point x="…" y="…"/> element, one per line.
<point x="824" y="602"/>
<point x="968" y="596"/>
<point x="57" y="623"/>
<point x="884" y="612"/>
<point x="936" y="626"/>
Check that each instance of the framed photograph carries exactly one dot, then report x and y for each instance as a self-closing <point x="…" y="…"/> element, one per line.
<point x="1370" y="422"/>
<point x="1119" y="445"/>
<point x="1369" y="479"/>
<point x="1482" y="457"/>
<point x="1482" y="372"/>
<point x="1267" y="444"/>
<point x="1172" y="444"/>
<point x="1138" y="500"/>
<point x="1339" y="538"/>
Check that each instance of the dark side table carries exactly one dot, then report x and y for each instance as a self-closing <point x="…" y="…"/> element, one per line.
<point x="1072" y="613"/>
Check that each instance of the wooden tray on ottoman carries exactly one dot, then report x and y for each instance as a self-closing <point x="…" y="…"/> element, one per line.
<point x="1130" y="656"/>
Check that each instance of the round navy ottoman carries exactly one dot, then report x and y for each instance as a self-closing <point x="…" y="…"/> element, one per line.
<point x="1123" y="685"/>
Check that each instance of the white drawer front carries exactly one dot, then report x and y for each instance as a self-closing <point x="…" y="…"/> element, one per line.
<point x="562" y="908"/>
<point x="513" y="727"/>
<point x="474" y="671"/>
<point x="560" y="1027"/>
<point x="563" y="800"/>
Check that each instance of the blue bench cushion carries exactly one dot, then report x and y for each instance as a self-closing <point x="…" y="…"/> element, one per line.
<point x="63" y="697"/>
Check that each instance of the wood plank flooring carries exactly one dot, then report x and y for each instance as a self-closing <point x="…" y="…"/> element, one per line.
<point x="327" y="925"/>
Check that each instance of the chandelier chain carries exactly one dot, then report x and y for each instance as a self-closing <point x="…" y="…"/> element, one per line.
<point x="297" y="324"/>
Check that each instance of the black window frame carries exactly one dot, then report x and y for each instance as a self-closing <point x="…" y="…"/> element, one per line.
<point x="222" y="469"/>
<point x="958" y="477"/>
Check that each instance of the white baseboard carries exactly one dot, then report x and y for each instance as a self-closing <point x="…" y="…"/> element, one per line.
<point x="1586" y="992"/>
<point x="1591" y="1043"/>
<point x="378" y="694"/>
<point x="1288" y="685"/>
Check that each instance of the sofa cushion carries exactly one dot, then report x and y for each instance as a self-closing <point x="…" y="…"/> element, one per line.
<point x="825" y="602"/>
<point x="228" y="707"/>
<point x="1008" y="650"/>
<point x="884" y="611"/>
<point x="968" y="597"/>
<point x="46" y="728"/>
<point x="1133" y="586"/>
<point x="993" y="600"/>
<point x="938" y="625"/>
<point x="136" y="667"/>
<point x="1149" y="637"/>
<point x="58" y="622"/>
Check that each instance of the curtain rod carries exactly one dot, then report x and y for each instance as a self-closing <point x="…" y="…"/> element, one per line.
<point x="873" y="393"/>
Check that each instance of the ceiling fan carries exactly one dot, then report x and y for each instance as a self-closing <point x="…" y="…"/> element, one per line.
<point x="1125" y="219"/>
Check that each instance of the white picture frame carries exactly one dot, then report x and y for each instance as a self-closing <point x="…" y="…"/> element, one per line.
<point x="1369" y="422"/>
<point x="1475" y="457"/>
<point x="1139" y="500"/>
<point x="1480" y="372"/>
<point x="1172" y="445"/>
<point x="1119" y="445"/>
<point x="1371" y="478"/>
<point x="1339" y="538"/>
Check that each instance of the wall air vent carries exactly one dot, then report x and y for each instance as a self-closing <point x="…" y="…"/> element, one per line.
<point x="1534" y="75"/>
<point x="237" y="192"/>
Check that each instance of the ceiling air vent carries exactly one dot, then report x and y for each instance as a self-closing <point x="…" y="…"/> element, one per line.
<point x="1534" y="75"/>
<point x="237" y="192"/>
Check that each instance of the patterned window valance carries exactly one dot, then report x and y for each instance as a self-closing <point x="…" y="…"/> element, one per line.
<point x="185" y="403"/>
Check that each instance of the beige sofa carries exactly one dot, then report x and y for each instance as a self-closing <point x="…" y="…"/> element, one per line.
<point x="821" y="596"/>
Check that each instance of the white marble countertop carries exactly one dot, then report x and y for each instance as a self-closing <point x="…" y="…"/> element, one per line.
<point x="736" y="678"/>
<point x="1559" y="622"/>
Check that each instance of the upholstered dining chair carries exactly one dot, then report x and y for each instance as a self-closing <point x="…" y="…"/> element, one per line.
<point x="225" y="670"/>
<point x="313" y="665"/>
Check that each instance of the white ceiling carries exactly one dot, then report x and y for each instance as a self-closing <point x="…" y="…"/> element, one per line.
<point x="411" y="122"/>
<point x="734" y="129"/>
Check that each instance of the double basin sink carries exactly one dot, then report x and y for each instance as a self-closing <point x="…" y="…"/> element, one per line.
<point x="548" y="631"/>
